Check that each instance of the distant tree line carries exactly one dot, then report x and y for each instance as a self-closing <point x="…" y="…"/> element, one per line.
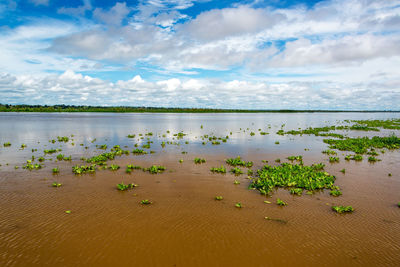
<point x="126" y="109"/>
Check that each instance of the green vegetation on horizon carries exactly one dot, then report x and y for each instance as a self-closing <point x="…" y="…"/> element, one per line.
<point x="126" y="109"/>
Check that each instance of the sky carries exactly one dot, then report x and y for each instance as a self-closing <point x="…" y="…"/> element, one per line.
<point x="253" y="54"/>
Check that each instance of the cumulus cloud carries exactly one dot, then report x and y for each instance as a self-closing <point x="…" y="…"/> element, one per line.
<point x="114" y="16"/>
<point x="74" y="88"/>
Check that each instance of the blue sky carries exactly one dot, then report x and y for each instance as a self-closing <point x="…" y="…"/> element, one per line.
<point x="255" y="54"/>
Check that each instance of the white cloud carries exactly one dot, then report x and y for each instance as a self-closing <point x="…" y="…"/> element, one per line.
<point x="73" y="88"/>
<point x="40" y="2"/>
<point x="114" y="16"/>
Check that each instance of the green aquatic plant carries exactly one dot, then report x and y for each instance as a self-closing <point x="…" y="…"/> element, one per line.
<point x="114" y="167"/>
<point x="289" y="175"/>
<point x="393" y="124"/>
<point x="236" y="182"/>
<point x="56" y="184"/>
<point x="296" y="191"/>
<point x="84" y="169"/>
<point x="360" y="145"/>
<point x="63" y="139"/>
<point x="102" y="146"/>
<point x="276" y="142"/>
<point x="131" y="135"/>
<point x="219" y="198"/>
<point x="252" y="134"/>
<point x="218" y="170"/>
<point x="342" y="209"/>
<point x="236" y="171"/>
<point x="131" y="167"/>
<point x="30" y="166"/>
<point x="263" y="133"/>
<point x="280" y="202"/>
<point x="155" y="169"/>
<point x="124" y="187"/>
<point x="335" y="193"/>
<point x="389" y="174"/>
<point x="199" y="160"/>
<point x="373" y="159"/>
<point x="239" y="162"/>
<point x="139" y="151"/>
<point x="343" y="170"/>
<point x="333" y="159"/>
<point x="329" y="152"/>
<point x="23" y="146"/>
<point x="250" y="172"/>
<point x="51" y="151"/>
<point x="145" y="202"/>
<point x="181" y="160"/>
<point x="55" y="170"/>
<point x="7" y="144"/>
<point x="238" y="205"/>
<point x="61" y="157"/>
<point x="297" y="158"/>
<point x="68" y="212"/>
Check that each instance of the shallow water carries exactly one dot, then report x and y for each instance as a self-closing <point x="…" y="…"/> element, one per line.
<point x="185" y="226"/>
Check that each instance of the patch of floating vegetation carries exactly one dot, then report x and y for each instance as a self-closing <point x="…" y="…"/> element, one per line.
<point x="124" y="187"/>
<point x="289" y="175"/>
<point x="360" y="145"/>
<point x="199" y="160"/>
<point x="131" y="167"/>
<point x="329" y="152"/>
<point x="296" y="191"/>
<point x="238" y="205"/>
<point x="393" y="124"/>
<point x="219" y="198"/>
<point x="221" y="169"/>
<point x="84" y="169"/>
<point x="155" y="169"/>
<point x="7" y="144"/>
<point x="51" y="151"/>
<point x="56" y="170"/>
<point x="102" y="158"/>
<point x="239" y="162"/>
<point x="56" y="184"/>
<point x="315" y="131"/>
<point x="138" y="151"/>
<point x="335" y="193"/>
<point x="281" y="221"/>
<point x="353" y="157"/>
<point x="63" y="139"/>
<point x="297" y="158"/>
<point x="30" y="166"/>
<point x="61" y="157"/>
<point x="145" y="202"/>
<point x="342" y="209"/>
<point x="114" y="167"/>
<point x="333" y="159"/>
<point x="236" y="171"/>
<point x="102" y="146"/>
<point x="280" y="202"/>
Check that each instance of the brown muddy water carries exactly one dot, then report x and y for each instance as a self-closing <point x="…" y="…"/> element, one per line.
<point x="185" y="226"/>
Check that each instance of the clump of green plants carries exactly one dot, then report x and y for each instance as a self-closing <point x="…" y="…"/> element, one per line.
<point x="329" y="152"/>
<point x="56" y="184"/>
<point x="238" y="205"/>
<point x="393" y="124"/>
<point x="236" y="171"/>
<point x="131" y="167"/>
<point x="114" y="167"/>
<point x="219" y="198"/>
<point x="84" y="169"/>
<point x="342" y="209"/>
<point x="131" y="135"/>
<point x="360" y="145"/>
<point x="181" y="161"/>
<point x="61" y="157"/>
<point x="343" y="170"/>
<point x="51" y="151"/>
<point x="297" y="158"/>
<point x="145" y="202"/>
<point x="276" y="142"/>
<point x="138" y="151"/>
<point x="333" y="159"/>
<point x="335" y="193"/>
<point x="7" y="144"/>
<point x="56" y="170"/>
<point x="296" y="191"/>
<point x="356" y="157"/>
<point x="102" y="146"/>
<point x="199" y="160"/>
<point x="239" y="162"/>
<point x="236" y="182"/>
<point x="124" y="187"/>
<point x="102" y="158"/>
<point x="155" y="169"/>
<point x="263" y="133"/>
<point x="288" y="175"/>
<point x="63" y="139"/>
<point x="280" y="202"/>
<point x="23" y="146"/>
<point x="218" y="170"/>
<point x="30" y="166"/>
<point x="373" y="159"/>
